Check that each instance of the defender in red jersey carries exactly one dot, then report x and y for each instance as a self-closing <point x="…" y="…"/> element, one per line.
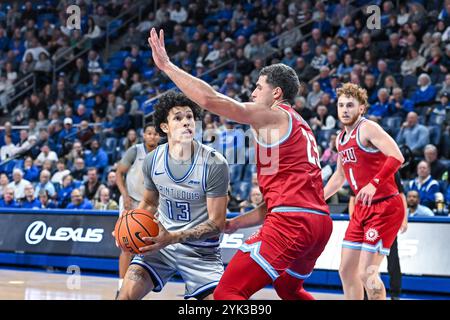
<point x="295" y="217"/>
<point x="368" y="159"/>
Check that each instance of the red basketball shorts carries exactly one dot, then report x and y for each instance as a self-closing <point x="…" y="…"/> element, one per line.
<point x="289" y="241"/>
<point x="375" y="228"/>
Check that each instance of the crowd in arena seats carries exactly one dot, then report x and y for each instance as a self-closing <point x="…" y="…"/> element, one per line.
<point x="84" y="121"/>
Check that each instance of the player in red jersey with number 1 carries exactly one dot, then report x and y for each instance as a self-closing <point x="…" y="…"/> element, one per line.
<point x="296" y="222"/>
<point x="368" y="159"/>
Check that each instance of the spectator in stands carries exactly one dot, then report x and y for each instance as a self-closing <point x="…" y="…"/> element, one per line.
<point x="79" y="170"/>
<point x="45" y="201"/>
<point x="438" y="170"/>
<point x="80" y="74"/>
<point x="82" y="114"/>
<point x="304" y="71"/>
<point x="120" y="124"/>
<point x="4" y="181"/>
<point x="229" y="82"/>
<point x="61" y="172"/>
<point x="445" y="87"/>
<point x="131" y="139"/>
<point x="424" y="184"/>
<point x="105" y="202"/>
<point x="67" y="186"/>
<point x="45" y="183"/>
<point x="425" y="94"/>
<point x="412" y="63"/>
<point x="300" y="107"/>
<point x="322" y="121"/>
<point x="78" y="201"/>
<point x="30" y="201"/>
<point x="382" y="107"/>
<point x="371" y="88"/>
<point x="314" y="96"/>
<point x="37" y="105"/>
<point x="97" y="157"/>
<point x="413" y="134"/>
<point x="76" y="152"/>
<point x="46" y="154"/>
<point x="94" y="63"/>
<point x="8" y="150"/>
<point x="18" y="184"/>
<point x="399" y="105"/>
<point x="92" y="186"/>
<point x="330" y="155"/>
<point x="111" y="184"/>
<point x="255" y="200"/>
<point x="178" y="13"/>
<point x="133" y="38"/>
<point x="346" y="66"/>
<point x="68" y="133"/>
<point x="93" y="31"/>
<point x="30" y="171"/>
<point x="319" y="59"/>
<point x="414" y="206"/>
<point x="290" y="36"/>
<point x="8" y="200"/>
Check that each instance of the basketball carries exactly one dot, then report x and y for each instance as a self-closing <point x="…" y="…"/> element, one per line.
<point x="132" y="226"/>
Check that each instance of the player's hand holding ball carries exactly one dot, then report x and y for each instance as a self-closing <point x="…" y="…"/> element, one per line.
<point x="163" y="239"/>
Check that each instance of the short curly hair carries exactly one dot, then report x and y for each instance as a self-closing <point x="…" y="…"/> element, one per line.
<point x="352" y="90"/>
<point x="171" y="100"/>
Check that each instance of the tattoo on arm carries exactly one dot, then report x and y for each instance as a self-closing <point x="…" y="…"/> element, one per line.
<point x="203" y="231"/>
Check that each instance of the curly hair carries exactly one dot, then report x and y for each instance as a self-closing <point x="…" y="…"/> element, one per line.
<point x="354" y="91"/>
<point x="171" y="100"/>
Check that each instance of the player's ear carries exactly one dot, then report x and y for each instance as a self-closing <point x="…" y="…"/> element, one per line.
<point x="164" y="127"/>
<point x="277" y="93"/>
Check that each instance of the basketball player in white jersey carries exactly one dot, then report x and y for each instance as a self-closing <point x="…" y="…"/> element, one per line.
<point x="130" y="180"/>
<point x="185" y="186"/>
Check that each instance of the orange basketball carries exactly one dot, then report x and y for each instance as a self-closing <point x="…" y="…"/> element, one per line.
<point x="132" y="226"/>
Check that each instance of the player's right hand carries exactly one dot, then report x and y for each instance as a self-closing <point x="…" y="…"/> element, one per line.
<point x="230" y="226"/>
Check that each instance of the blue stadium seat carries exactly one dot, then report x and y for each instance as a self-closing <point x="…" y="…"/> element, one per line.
<point x="113" y="27"/>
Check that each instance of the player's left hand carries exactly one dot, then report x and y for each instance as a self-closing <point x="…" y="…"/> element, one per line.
<point x="366" y="194"/>
<point x="163" y="239"/>
<point x="159" y="53"/>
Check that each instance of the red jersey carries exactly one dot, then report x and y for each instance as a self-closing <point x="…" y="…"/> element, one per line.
<point x="362" y="163"/>
<point x="289" y="172"/>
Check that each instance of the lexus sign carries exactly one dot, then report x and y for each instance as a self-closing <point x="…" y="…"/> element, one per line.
<point x="66" y="234"/>
<point x="38" y="230"/>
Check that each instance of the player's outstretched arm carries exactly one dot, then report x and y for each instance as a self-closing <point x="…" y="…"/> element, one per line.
<point x="252" y="218"/>
<point x="335" y="182"/>
<point x="198" y="90"/>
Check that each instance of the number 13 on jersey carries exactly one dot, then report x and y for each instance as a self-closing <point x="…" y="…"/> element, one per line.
<point x="312" y="148"/>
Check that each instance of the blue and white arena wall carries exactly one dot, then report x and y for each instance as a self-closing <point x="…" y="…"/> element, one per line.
<point x="62" y="238"/>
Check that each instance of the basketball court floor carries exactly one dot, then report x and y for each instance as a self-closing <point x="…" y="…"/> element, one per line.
<point x="41" y="285"/>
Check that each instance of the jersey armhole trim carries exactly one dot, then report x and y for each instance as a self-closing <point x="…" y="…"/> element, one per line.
<point x="153" y="162"/>
<point x="364" y="148"/>
<point x="283" y="139"/>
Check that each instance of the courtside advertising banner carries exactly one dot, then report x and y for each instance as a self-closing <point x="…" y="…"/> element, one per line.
<point x="65" y="234"/>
